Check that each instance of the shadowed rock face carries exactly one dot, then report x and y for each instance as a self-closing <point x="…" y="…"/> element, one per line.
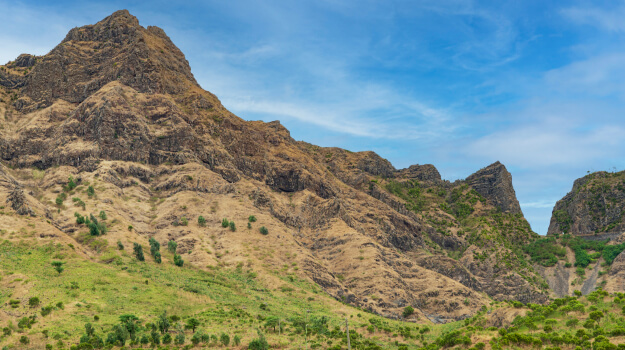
<point x="495" y="183"/>
<point x="593" y="207"/>
<point x="118" y="94"/>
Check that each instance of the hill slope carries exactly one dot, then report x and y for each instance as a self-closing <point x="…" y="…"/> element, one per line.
<point x="115" y="108"/>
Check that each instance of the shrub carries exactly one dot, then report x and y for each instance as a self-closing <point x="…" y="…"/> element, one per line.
<point x="102" y="215"/>
<point x="225" y="223"/>
<point x="70" y="184"/>
<point x="120" y="245"/>
<point x="24" y="340"/>
<point x="249" y="226"/>
<point x="572" y="323"/>
<point x="58" y="266"/>
<point x="79" y="218"/>
<point x="259" y="343"/>
<point x="171" y="246"/>
<point x="252" y="218"/>
<point x="178" y="260"/>
<point x="201" y="221"/>
<point x="179" y="339"/>
<point x="408" y="310"/>
<point x="263" y="230"/>
<point x="46" y="310"/>
<point x="167" y="339"/>
<point x="224" y="339"/>
<point x="184" y="221"/>
<point x="33" y="302"/>
<point x="236" y="340"/>
<point x="130" y="227"/>
<point x="138" y="250"/>
<point x="232" y="226"/>
<point x="90" y="191"/>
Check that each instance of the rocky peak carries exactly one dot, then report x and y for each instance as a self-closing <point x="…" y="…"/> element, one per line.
<point x="425" y="172"/>
<point x="495" y="184"/>
<point x="594" y="206"/>
<point x="114" y="49"/>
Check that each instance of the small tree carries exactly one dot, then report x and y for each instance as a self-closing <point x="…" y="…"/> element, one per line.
<point x="167" y="339"/>
<point x="90" y="191"/>
<point x="408" y="311"/>
<point x="249" y="226"/>
<point x="157" y="257"/>
<point x="178" y="260"/>
<point x="58" y="266"/>
<point x="163" y="324"/>
<point x="102" y="215"/>
<point x="225" y="223"/>
<point x="201" y="221"/>
<point x="171" y="246"/>
<point x="79" y="218"/>
<point x="138" y="249"/>
<point x="273" y="322"/>
<point x="232" y="226"/>
<point x="120" y="245"/>
<point x="89" y="329"/>
<point x="263" y="230"/>
<point x="236" y="340"/>
<point x="184" y="221"/>
<point x="252" y="218"/>
<point x="70" y="184"/>
<point x="225" y="339"/>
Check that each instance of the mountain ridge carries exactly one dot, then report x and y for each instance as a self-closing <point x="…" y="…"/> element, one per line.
<point x="115" y="105"/>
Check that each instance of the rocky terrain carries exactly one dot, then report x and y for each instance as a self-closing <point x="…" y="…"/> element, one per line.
<point x="116" y="108"/>
<point x="594" y="206"/>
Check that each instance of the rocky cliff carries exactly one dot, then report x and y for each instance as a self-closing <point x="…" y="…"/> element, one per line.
<point x="115" y="106"/>
<point x="595" y="205"/>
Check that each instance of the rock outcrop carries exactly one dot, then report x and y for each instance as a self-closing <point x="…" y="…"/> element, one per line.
<point x="495" y="183"/>
<point x="595" y="206"/>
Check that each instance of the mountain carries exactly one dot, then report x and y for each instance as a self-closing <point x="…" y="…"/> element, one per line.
<point x="594" y="206"/>
<point x="111" y="127"/>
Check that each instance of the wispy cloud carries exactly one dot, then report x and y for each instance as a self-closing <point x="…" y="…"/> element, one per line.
<point x="610" y="19"/>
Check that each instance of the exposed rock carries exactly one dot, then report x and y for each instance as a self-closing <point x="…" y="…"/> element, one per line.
<point x="495" y="183"/>
<point x="594" y="206"/>
<point x="426" y="172"/>
<point x="24" y="60"/>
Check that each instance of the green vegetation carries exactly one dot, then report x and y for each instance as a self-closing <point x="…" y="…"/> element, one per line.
<point x="225" y="223"/>
<point x="263" y="230"/>
<point x="138" y="250"/>
<point x="113" y="304"/>
<point x="547" y="251"/>
<point x="171" y="246"/>
<point x="201" y="221"/>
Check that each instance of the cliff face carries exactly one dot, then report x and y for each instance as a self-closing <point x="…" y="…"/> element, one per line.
<point x="495" y="183"/>
<point x="116" y="105"/>
<point x="595" y="205"/>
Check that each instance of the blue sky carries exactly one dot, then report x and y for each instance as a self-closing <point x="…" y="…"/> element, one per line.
<point x="537" y="85"/>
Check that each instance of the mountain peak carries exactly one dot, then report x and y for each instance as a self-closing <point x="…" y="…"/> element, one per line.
<point x="115" y="49"/>
<point x="495" y="183"/>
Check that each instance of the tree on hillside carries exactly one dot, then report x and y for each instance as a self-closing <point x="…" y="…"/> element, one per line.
<point x="58" y="266"/>
<point x="138" y="249"/>
<point x="171" y="246"/>
<point x="163" y="323"/>
<point x="192" y="324"/>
